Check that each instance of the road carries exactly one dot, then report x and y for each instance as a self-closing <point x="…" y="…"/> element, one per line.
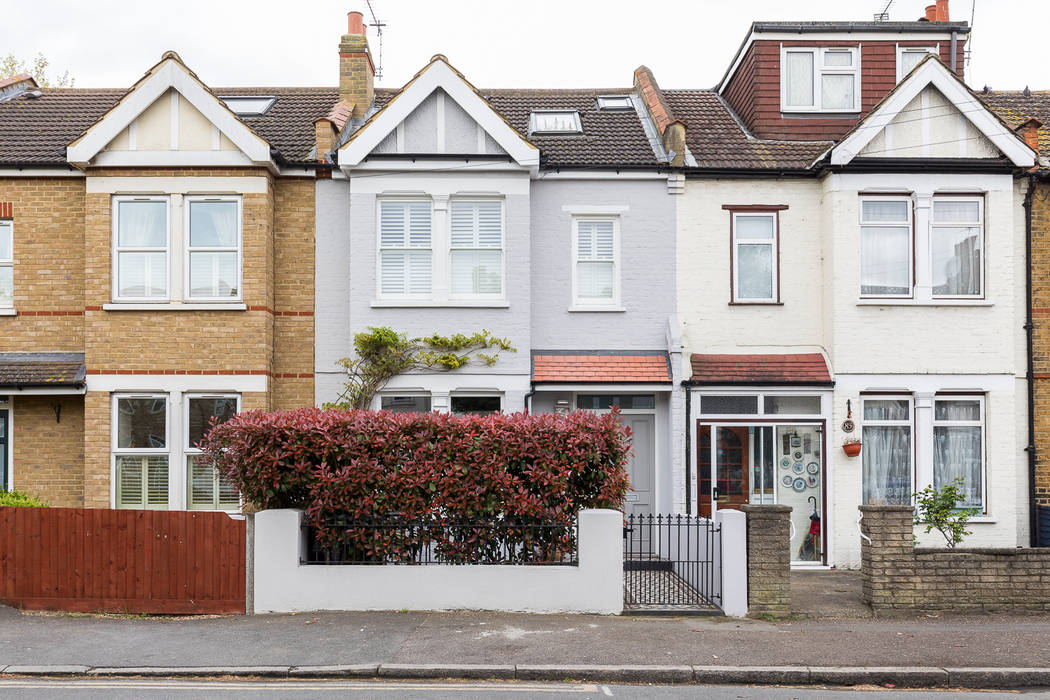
<point x="129" y="689"/>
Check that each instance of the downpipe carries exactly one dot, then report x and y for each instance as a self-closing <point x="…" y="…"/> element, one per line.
<point x="1029" y="328"/>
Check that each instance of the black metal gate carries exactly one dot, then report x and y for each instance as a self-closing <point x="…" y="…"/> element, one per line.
<point x="672" y="565"/>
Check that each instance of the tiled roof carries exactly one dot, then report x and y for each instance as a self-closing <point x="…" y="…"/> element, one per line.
<point x="608" y="367"/>
<point x="808" y="368"/>
<point x="1015" y="109"/>
<point x="34" y="369"/>
<point x="717" y="140"/>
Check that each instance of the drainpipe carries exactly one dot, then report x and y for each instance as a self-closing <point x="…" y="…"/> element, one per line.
<point x="1029" y="327"/>
<point x="688" y="451"/>
<point x="528" y="400"/>
<point x="955" y="39"/>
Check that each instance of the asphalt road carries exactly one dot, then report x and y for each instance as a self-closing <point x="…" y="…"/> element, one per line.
<point x="128" y="689"/>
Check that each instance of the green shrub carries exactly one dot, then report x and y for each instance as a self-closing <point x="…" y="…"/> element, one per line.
<point x="939" y="510"/>
<point x="20" y="500"/>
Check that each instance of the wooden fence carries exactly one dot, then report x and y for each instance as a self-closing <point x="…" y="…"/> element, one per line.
<point x="134" y="561"/>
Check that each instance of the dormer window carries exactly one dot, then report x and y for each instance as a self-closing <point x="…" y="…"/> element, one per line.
<point x="910" y="56"/>
<point x="555" y="121"/>
<point x="820" y="79"/>
<point x="615" y="103"/>
<point x="249" y="106"/>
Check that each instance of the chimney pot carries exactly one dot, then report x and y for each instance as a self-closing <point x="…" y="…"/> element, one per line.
<point x="931" y="13"/>
<point x="355" y="22"/>
<point x="942" y="11"/>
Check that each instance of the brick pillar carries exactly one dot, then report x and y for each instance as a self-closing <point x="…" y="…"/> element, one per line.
<point x="768" y="559"/>
<point x="888" y="560"/>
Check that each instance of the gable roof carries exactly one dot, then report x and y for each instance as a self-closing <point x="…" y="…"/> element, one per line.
<point x="930" y="71"/>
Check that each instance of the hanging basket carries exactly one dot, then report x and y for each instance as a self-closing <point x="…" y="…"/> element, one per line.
<point x="852" y="449"/>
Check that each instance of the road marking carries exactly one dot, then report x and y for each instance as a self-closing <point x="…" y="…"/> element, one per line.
<point x="606" y="690"/>
<point x="295" y="684"/>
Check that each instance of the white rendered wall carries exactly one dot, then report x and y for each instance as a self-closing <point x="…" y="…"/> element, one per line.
<point x="283" y="585"/>
<point x="734" y="561"/>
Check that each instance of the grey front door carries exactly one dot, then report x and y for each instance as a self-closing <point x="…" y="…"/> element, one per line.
<point x="642" y="464"/>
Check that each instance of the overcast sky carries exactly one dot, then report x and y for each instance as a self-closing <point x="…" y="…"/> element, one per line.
<point x="495" y="43"/>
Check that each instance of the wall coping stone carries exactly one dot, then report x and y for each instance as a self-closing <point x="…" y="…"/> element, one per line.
<point x="758" y="509"/>
<point x="887" y="509"/>
<point x="994" y="551"/>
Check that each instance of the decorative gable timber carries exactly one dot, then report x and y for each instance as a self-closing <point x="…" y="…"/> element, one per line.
<point x="441" y="78"/>
<point x="915" y="93"/>
<point x="171" y="80"/>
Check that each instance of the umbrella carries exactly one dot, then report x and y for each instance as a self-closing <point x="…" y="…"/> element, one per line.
<point x="810" y="549"/>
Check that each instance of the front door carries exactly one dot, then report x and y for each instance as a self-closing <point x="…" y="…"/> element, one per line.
<point x="723" y="467"/>
<point x="641" y="466"/>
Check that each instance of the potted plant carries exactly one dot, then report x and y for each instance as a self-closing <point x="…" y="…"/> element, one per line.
<point x="851" y="446"/>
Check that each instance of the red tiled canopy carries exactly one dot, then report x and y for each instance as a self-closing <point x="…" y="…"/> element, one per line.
<point x="808" y="368"/>
<point x="597" y="367"/>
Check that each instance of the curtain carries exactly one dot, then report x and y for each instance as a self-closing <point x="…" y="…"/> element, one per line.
<point x="837" y="91"/>
<point x="956" y="260"/>
<point x="213" y="224"/>
<point x="799" y="78"/>
<point x="142" y="224"/>
<point x="884" y="264"/>
<point x="886" y="464"/>
<point x="755" y="271"/>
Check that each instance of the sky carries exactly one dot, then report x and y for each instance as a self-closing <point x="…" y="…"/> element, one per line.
<point x="495" y="43"/>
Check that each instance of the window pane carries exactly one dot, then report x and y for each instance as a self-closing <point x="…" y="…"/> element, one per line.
<point x="142" y="423"/>
<point x="957" y="410"/>
<point x="594" y="240"/>
<point x="476" y="405"/>
<point x="799" y="78"/>
<point x="405" y="404"/>
<point x="477" y="272"/>
<point x="755" y="271"/>
<point x="7" y="286"/>
<point x="213" y="224"/>
<point x="142" y="275"/>
<point x="792" y="405"/>
<point x="142" y="224"/>
<point x="5" y="240"/>
<point x="836" y="91"/>
<point x="952" y="210"/>
<point x="957" y="454"/>
<point x="605" y="401"/>
<point x="201" y="413"/>
<point x="747" y="405"/>
<point x="838" y="58"/>
<point x="910" y="59"/>
<point x="885" y="260"/>
<point x="207" y="490"/>
<point x="754" y="227"/>
<point x="594" y="280"/>
<point x="404" y="224"/>
<point x="886" y="464"/>
<point x="956" y="260"/>
<point x="405" y="272"/>
<point x="142" y="481"/>
<point x="886" y="409"/>
<point x="889" y="210"/>
<point x="213" y="274"/>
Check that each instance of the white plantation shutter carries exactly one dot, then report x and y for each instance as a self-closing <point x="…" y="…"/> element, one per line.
<point x="595" y="261"/>
<point x="142" y="482"/>
<point x="476" y="242"/>
<point x="405" y="254"/>
<point x="209" y="491"/>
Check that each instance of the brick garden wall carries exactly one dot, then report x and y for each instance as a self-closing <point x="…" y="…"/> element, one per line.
<point x="768" y="559"/>
<point x="897" y="576"/>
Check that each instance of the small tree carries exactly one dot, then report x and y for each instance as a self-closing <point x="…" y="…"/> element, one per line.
<point x="11" y="66"/>
<point x="383" y="353"/>
<point x="939" y="510"/>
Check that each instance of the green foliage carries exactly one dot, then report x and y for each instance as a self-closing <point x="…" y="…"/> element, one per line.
<point x="939" y="510"/>
<point x="383" y="353"/>
<point x="17" y="499"/>
<point x="11" y="66"/>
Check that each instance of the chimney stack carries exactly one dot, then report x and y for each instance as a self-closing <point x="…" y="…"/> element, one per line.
<point x="356" y="70"/>
<point x="1029" y="131"/>
<point x="938" y="12"/>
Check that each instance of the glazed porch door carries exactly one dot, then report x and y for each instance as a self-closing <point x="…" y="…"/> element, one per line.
<point x="722" y="467"/>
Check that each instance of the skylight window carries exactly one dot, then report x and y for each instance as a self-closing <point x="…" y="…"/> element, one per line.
<point x="610" y="103"/>
<point x="249" y="106"/>
<point x="555" y="121"/>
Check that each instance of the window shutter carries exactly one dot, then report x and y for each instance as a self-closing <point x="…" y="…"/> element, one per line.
<point x="130" y="482"/>
<point x="156" y="480"/>
<point x="403" y="227"/>
<point x="202" y="483"/>
<point x="490" y="225"/>
<point x="476" y="241"/>
<point x="462" y="225"/>
<point x="595" y="257"/>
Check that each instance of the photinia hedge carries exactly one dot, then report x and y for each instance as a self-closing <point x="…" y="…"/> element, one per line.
<point x="361" y="465"/>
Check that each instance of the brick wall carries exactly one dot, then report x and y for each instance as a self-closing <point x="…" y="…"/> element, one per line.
<point x="897" y="576"/>
<point x="48" y="452"/>
<point x="294" y="232"/>
<point x="1041" y="341"/>
<point x="768" y="559"/>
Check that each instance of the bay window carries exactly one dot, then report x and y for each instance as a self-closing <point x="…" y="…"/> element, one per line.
<point x="755" y="257"/>
<point x="820" y="79"/>
<point x="958" y="446"/>
<point x="596" y="260"/>
<point x="140" y="450"/>
<point x="956" y="246"/>
<point x="206" y="489"/>
<point x="886" y="247"/>
<point x="476" y="248"/>
<point x="886" y="457"/>
<point x="7" y="264"/>
<point x="405" y="255"/>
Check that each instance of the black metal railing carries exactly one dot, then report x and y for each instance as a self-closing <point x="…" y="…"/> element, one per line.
<point x="396" y="540"/>
<point x="672" y="561"/>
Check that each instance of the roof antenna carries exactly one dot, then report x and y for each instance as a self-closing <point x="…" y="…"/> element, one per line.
<point x="379" y="34"/>
<point x="884" y="16"/>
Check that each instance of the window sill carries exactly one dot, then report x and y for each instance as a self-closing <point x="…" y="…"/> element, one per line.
<point x="756" y="303"/>
<point x="990" y="519"/>
<point x="431" y="304"/>
<point x="8" y="312"/>
<point x="596" y="309"/>
<point x="167" y="306"/>
<point x="931" y="302"/>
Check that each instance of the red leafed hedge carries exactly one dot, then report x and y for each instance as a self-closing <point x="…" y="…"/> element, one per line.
<point x="364" y="464"/>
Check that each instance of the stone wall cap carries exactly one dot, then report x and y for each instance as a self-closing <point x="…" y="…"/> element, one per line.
<point x="887" y="509"/>
<point x="764" y="508"/>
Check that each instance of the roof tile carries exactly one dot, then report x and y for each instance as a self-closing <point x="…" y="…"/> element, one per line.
<point x="809" y="368"/>
<point x="597" y="367"/>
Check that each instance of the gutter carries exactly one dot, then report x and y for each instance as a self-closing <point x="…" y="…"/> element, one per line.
<point x="1029" y="328"/>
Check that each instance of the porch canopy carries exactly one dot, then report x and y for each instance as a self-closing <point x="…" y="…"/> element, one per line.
<point x="42" y="372"/>
<point x="773" y="370"/>
<point x="634" y="367"/>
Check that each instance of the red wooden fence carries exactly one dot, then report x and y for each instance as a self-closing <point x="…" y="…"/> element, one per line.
<point x="136" y="561"/>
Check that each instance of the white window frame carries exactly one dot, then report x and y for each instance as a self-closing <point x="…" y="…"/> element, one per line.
<point x="615" y="103"/>
<point x="909" y="423"/>
<point x="774" y="244"/>
<point x="377" y="402"/>
<point x="407" y="248"/>
<point x="820" y="69"/>
<point x="9" y="225"/>
<point x="979" y="223"/>
<point x="189" y="451"/>
<point x="116" y="248"/>
<point x="116" y="451"/>
<point x="982" y="423"/>
<point x="534" y="115"/>
<point x="901" y="50"/>
<point x="474" y="394"/>
<point x="616" y="301"/>
<point x="450" y="248"/>
<point x="187" y="248"/>
<point x="887" y="224"/>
